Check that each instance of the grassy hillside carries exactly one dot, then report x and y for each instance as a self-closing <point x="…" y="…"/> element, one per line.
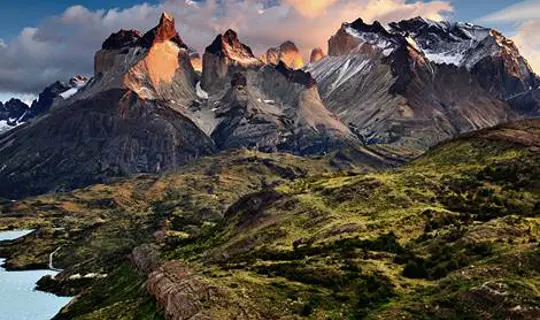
<point x="451" y="235"/>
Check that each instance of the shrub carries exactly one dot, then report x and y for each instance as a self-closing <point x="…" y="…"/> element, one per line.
<point x="415" y="270"/>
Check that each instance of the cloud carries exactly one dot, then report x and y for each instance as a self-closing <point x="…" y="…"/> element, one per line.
<point x="526" y="10"/>
<point x="528" y="41"/>
<point x="526" y="18"/>
<point x="312" y="8"/>
<point x="64" y="45"/>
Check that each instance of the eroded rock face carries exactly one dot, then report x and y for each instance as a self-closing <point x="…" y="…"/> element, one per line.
<point x="115" y="133"/>
<point x="277" y="109"/>
<point x="146" y="258"/>
<point x="418" y="82"/>
<point x="287" y="52"/>
<point x="157" y="65"/>
<point x="185" y="295"/>
<point x="225" y="56"/>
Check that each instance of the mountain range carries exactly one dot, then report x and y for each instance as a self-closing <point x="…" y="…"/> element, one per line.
<point x="393" y="175"/>
<point x="410" y="84"/>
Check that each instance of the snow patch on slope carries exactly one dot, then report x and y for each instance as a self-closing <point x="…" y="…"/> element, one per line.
<point x="453" y="43"/>
<point x="6" y="126"/>
<point x="200" y="92"/>
<point x="339" y="70"/>
<point x="454" y="58"/>
<point x="69" y="93"/>
<point x="386" y="46"/>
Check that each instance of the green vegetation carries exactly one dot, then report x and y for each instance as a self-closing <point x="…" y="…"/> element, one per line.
<point x="122" y="298"/>
<point x="451" y="235"/>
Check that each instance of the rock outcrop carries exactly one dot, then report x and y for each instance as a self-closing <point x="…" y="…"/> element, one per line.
<point x="224" y="57"/>
<point x="156" y="65"/>
<point x="316" y="55"/>
<point x="287" y="52"/>
<point x="185" y="295"/>
<point x="12" y="111"/>
<point x="277" y="109"/>
<point x="146" y="258"/>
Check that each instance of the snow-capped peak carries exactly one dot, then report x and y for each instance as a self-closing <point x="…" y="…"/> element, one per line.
<point x="441" y="42"/>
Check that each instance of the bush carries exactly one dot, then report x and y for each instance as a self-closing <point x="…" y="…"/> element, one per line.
<point x="415" y="270"/>
<point x="373" y="291"/>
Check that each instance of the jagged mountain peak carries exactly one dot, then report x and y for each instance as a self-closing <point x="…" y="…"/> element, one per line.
<point x="121" y="39"/>
<point x="157" y="65"/>
<point x="438" y="76"/>
<point x="223" y="57"/>
<point x="228" y="45"/>
<point x="316" y="55"/>
<point x="287" y="52"/>
<point x="288" y="45"/>
<point x="442" y="42"/>
<point x="11" y="113"/>
<point x="133" y="116"/>
<point x="231" y="36"/>
<point x="362" y="26"/>
<point x="164" y="31"/>
<point x="15" y="103"/>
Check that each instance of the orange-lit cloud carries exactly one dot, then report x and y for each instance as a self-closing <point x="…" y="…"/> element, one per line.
<point x="528" y="41"/>
<point x="311" y="9"/>
<point x="64" y="45"/>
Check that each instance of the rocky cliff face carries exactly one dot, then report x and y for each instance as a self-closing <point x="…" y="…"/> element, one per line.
<point x="13" y="110"/>
<point x="156" y="65"/>
<point x="418" y="82"/>
<point x="186" y="295"/>
<point x="133" y="116"/>
<point x="225" y="56"/>
<point x="115" y="133"/>
<point x="277" y="109"/>
<point x="287" y="52"/>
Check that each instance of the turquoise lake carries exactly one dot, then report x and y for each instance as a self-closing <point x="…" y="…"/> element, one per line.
<point x="18" y="299"/>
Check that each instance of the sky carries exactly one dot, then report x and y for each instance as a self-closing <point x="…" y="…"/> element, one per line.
<point x="44" y="41"/>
